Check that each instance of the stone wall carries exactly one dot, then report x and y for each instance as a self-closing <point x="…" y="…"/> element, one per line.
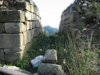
<point x="17" y="29"/>
<point x="82" y="17"/>
<point x="67" y="19"/>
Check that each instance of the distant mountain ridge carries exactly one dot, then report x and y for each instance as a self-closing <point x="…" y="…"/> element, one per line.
<point x="50" y="30"/>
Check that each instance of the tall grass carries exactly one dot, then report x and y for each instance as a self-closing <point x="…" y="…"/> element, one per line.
<point x="75" y="58"/>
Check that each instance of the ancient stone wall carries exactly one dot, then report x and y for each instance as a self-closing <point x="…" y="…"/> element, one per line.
<point x="67" y="19"/>
<point x="17" y="29"/>
<point x="83" y="16"/>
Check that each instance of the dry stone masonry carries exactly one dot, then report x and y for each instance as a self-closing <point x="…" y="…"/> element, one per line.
<point x="17" y="29"/>
<point x="82" y="17"/>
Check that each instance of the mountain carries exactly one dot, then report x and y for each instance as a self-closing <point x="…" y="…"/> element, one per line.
<point x="50" y="30"/>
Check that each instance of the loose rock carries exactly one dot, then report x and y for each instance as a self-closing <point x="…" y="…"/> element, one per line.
<point x="50" y="56"/>
<point x="37" y="61"/>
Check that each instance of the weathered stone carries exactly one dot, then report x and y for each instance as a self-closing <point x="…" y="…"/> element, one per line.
<point x="36" y="10"/>
<point x="23" y="5"/>
<point x="1" y="27"/>
<point x="32" y="8"/>
<point x="33" y="16"/>
<point x="12" y="50"/>
<point x="38" y="17"/>
<point x="11" y="57"/>
<point x="29" y="25"/>
<point x="12" y="16"/>
<point x="8" y="71"/>
<point x="15" y="27"/>
<point x="50" y="69"/>
<point x="11" y="40"/>
<point x="37" y="24"/>
<point x="33" y="24"/>
<point x="1" y="55"/>
<point x="12" y="67"/>
<point x="37" y="61"/>
<point x="38" y="31"/>
<point x="25" y="37"/>
<point x="35" y="74"/>
<point x="28" y="15"/>
<point x="17" y="69"/>
<point x="29" y="36"/>
<point x="50" y="56"/>
<point x="32" y="33"/>
<point x="31" y="2"/>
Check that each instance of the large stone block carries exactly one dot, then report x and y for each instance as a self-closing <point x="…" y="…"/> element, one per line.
<point x="50" y="69"/>
<point x="12" y="16"/>
<point x="33" y="16"/>
<point x="32" y="33"/>
<point x="1" y="55"/>
<point x="33" y="24"/>
<point x="15" y="27"/>
<point x="25" y="37"/>
<point x="13" y="50"/>
<point x="1" y="27"/>
<point x="11" y="40"/>
<point x="31" y="2"/>
<point x="39" y="19"/>
<point x="29" y="25"/>
<point x="38" y="31"/>
<point x="12" y="57"/>
<point x="37" y="24"/>
<point x="23" y="5"/>
<point x="50" y="56"/>
<point x="29" y="36"/>
<point x="28" y="15"/>
<point x="36" y="10"/>
<point x="32" y="8"/>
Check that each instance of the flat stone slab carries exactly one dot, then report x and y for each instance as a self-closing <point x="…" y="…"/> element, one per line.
<point x="50" y="69"/>
<point x="50" y="56"/>
<point x="12" y="16"/>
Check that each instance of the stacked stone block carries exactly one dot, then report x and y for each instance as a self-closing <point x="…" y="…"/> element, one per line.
<point x="17" y="29"/>
<point x="67" y="19"/>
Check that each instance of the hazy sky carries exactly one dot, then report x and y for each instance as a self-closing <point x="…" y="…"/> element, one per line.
<point x="51" y="10"/>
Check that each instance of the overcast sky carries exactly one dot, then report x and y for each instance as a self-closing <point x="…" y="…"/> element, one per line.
<point x="51" y="10"/>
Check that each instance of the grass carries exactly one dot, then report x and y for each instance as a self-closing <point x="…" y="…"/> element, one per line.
<point x="78" y="61"/>
<point x="72" y="54"/>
